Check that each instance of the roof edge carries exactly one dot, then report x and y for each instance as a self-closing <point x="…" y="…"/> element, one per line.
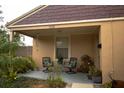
<point x="26" y="15"/>
<point x="68" y="22"/>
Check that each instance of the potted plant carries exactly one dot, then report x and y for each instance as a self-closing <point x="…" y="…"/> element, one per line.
<point x="97" y="76"/>
<point x="90" y="72"/>
<point x="86" y="61"/>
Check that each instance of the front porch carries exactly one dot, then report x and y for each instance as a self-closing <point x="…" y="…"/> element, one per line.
<point x="65" y="42"/>
<point x="69" y="78"/>
<point x="74" y="41"/>
<point x="78" y="80"/>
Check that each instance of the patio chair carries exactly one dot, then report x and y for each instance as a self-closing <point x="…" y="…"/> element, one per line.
<point x="46" y="63"/>
<point x="72" y="65"/>
<point x="60" y="60"/>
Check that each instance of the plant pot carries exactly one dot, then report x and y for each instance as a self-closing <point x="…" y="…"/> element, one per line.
<point x="97" y="79"/>
<point x="89" y="77"/>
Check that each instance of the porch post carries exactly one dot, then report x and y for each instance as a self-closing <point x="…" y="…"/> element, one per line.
<point x="106" y="51"/>
<point x="11" y="36"/>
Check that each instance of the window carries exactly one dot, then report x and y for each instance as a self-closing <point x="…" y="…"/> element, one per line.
<point x="62" y="47"/>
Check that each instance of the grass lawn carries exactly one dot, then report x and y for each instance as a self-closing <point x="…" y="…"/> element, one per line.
<point x="24" y="82"/>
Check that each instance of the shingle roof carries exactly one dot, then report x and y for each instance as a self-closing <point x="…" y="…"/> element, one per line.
<point x="62" y="13"/>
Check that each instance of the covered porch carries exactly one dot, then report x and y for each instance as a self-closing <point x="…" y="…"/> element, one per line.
<point x="67" y="42"/>
<point x="74" y="41"/>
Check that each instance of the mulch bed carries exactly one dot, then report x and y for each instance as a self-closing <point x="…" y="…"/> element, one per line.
<point x="24" y="82"/>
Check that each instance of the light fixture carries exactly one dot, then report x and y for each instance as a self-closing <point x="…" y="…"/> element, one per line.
<point x="99" y="46"/>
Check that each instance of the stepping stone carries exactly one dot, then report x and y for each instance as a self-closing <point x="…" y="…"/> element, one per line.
<point x="82" y="85"/>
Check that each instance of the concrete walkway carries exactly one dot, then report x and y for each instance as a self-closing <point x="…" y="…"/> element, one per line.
<point x="69" y="78"/>
<point x="82" y="85"/>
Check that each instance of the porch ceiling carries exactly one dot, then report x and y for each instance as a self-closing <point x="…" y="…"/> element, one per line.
<point x="61" y="31"/>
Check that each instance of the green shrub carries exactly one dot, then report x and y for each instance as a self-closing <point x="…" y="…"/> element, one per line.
<point x="23" y="64"/>
<point x="54" y="78"/>
<point x="107" y="85"/>
<point x="5" y="62"/>
<point x="94" y="71"/>
<point x="6" y="68"/>
<point x="56" y="82"/>
<point x="10" y="64"/>
<point x="86" y="62"/>
<point x="32" y="64"/>
<point x="20" y="64"/>
<point x="91" y="70"/>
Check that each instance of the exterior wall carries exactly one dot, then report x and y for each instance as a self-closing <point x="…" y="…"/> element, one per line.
<point x="80" y="45"/>
<point x="118" y="49"/>
<point x="43" y="47"/>
<point x="96" y="50"/>
<point x="112" y="39"/>
<point x="84" y="44"/>
<point x="106" y="51"/>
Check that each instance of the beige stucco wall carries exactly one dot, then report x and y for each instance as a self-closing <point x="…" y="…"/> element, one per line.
<point x="79" y="45"/>
<point x="43" y="47"/>
<point x="84" y="44"/>
<point x="118" y="49"/>
<point x="111" y="59"/>
<point x="96" y="50"/>
<point x="106" y="50"/>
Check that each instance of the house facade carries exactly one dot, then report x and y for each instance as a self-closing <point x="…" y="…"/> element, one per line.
<point x="73" y="31"/>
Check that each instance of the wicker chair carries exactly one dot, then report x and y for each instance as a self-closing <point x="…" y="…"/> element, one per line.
<point x="72" y="64"/>
<point x="46" y="63"/>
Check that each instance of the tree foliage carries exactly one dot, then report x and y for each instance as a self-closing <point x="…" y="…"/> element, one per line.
<point x="7" y="47"/>
<point x="7" y="53"/>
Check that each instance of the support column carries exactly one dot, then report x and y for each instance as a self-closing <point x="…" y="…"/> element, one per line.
<point x="106" y="51"/>
<point x="11" y="36"/>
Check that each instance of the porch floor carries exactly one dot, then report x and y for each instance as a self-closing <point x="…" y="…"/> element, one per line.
<point x="69" y="78"/>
